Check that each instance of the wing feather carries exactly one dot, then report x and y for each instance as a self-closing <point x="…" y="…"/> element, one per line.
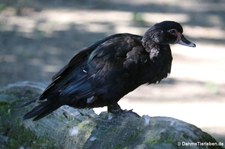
<point x="74" y="70"/>
<point x="89" y="74"/>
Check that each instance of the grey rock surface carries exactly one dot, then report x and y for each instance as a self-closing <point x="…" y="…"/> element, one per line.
<point x="70" y="128"/>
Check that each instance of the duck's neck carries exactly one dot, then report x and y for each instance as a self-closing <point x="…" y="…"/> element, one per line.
<point x="154" y="49"/>
<point x="149" y="44"/>
<point x="151" y="47"/>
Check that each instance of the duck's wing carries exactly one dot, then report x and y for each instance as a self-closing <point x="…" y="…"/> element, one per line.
<point x="93" y="70"/>
<point x="89" y="73"/>
<point x="73" y="71"/>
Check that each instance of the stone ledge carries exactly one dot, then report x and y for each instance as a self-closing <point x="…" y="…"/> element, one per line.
<point x="71" y="128"/>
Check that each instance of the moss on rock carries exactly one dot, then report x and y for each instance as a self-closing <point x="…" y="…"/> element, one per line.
<point x="71" y="128"/>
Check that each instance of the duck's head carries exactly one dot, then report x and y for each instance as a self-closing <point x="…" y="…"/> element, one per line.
<point x="166" y="32"/>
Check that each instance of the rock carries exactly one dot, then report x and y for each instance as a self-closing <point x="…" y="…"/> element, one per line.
<point x="71" y="128"/>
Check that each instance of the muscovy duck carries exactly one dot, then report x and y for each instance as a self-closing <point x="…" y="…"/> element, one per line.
<point x="103" y="73"/>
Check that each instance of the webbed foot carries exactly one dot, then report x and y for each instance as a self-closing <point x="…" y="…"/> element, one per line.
<point x="115" y="109"/>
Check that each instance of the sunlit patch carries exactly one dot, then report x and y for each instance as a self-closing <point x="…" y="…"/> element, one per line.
<point x="158" y="17"/>
<point x="147" y="119"/>
<point x="93" y="138"/>
<point x="74" y="131"/>
<point x="204" y="32"/>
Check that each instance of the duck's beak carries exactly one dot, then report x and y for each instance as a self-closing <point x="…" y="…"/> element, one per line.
<point x="183" y="41"/>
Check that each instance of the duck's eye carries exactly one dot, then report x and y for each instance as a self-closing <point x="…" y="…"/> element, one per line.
<point x="173" y="31"/>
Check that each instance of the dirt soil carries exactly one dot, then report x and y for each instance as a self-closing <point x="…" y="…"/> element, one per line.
<point x="37" y="38"/>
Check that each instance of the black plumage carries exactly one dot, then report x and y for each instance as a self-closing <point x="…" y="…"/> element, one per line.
<point x="103" y="73"/>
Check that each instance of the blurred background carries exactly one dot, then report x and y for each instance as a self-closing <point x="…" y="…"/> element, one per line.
<point x="38" y="37"/>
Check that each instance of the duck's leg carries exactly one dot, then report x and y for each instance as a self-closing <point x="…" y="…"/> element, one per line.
<point x="114" y="108"/>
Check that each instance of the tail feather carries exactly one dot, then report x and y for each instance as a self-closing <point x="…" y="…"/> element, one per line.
<point x="42" y="110"/>
<point x="27" y="103"/>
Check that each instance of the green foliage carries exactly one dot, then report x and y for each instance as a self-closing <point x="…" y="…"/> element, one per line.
<point x="2" y="7"/>
<point x="27" y="139"/>
<point x="138" y="19"/>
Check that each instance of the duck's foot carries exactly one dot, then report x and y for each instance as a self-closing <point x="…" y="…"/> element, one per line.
<point x="116" y="110"/>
